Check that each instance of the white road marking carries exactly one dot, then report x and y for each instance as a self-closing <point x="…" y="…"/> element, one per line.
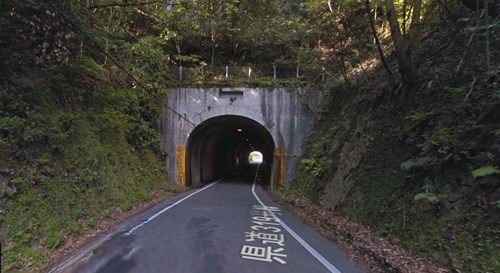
<point x="264" y="254"/>
<point x="301" y="241"/>
<point x="86" y="253"/>
<point x="167" y="208"/>
<point x="130" y="253"/>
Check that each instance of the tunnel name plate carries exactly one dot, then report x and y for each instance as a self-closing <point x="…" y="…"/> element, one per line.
<point x="267" y="241"/>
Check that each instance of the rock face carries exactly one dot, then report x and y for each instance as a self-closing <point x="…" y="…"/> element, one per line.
<point x="338" y="187"/>
<point x="282" y="112"/>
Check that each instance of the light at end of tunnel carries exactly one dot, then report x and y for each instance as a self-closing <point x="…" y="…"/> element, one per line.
<point x="239" y="130"/>
<point x="255" y="157"/>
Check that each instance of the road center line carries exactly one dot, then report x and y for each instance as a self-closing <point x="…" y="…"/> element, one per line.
<point x="299" y="239"/>
<point x="169" y="207"/>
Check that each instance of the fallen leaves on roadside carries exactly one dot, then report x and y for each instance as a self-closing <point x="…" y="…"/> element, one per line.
<point x="358" y="241"/>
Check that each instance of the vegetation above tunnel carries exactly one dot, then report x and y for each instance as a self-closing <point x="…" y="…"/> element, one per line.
<point x="410" y="133"/>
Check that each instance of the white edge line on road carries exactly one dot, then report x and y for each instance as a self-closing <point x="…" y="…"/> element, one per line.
<point x="299" y="239"/>
<point x="70" y="261"/>
<point x="169" y="207"/>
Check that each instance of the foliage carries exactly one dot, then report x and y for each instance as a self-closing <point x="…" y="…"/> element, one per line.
<point x="428" y="180"/>
<point x="484" y="171"/>
<point x="427" y="196"/>
<point x="76" y="138"/>
<point x="73" y="122"/>
<point x="412" y="163"/>
<point x="312" y="166"/>
<point x="414" y="185"/>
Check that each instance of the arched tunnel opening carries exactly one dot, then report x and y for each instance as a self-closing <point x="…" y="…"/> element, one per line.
<point x="220" y="147"/>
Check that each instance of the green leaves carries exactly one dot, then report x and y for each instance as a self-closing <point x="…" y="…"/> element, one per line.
<point x="418" y="116"/>
<point x="308" y="162"/>
<point x="90" y="67"/>
<point x="18" y="181"/>
<point x="485" y="171"/>
<point x="10" y="129"/>
<point x="427" y="197"/>
<point x="413" y="163"/>
<point x="311" y="165"/>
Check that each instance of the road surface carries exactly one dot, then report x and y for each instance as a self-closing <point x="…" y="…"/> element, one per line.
<point x="228" y="226"/>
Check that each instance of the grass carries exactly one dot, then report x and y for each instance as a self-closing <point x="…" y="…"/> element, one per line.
<point x="64" y="186"/>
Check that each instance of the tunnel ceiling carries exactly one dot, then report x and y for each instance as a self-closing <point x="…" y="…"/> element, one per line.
<point x="225" y="129"/>
<point x="218" y="146"/>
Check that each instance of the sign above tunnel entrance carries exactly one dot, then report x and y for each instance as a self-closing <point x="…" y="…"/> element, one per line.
<point x="279" y="114"/>
<point x="237" y="93"/>
<point x="232" y="95"/>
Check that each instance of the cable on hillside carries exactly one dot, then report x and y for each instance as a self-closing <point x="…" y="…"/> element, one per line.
<point x="139" y="83"/>
<point x="168" y="4"/>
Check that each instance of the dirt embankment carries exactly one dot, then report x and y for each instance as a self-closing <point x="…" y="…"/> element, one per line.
<point x="360" y="243"/>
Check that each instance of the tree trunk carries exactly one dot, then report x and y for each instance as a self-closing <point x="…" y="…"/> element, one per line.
<point x="404" y="44"/>
<point x="375" y="36"/>
<point x="213" y="39"/>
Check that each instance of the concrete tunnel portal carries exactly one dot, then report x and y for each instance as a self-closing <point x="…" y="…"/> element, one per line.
<point x="220" y="147"/>
<point x="204" y="132"/>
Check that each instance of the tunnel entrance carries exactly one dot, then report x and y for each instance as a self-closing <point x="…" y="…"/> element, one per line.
<point x="221" y="146"/>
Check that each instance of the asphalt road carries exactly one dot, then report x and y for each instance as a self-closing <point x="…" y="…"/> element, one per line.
<point x="227" y="226"/>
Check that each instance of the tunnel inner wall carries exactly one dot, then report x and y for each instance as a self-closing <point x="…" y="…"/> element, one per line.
<point x="220" y="146"/>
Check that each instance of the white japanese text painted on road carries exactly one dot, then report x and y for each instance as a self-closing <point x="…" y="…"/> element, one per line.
<point x="273" y="211"/>
<point x="269" y="239"/>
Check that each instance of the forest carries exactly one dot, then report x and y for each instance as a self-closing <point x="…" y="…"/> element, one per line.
<point x="407" y="143"/>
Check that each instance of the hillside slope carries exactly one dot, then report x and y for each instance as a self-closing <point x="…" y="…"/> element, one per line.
<point x="418" y="165"/>
<point x="77" y="143"/>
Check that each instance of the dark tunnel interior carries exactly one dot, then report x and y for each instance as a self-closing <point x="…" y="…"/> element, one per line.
<point x="219" y="147"/>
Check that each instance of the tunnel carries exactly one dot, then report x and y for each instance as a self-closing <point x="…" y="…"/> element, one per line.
<point x="220" y="147"/>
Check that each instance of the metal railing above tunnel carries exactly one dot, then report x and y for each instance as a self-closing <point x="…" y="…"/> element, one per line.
<point x="306" y="73"/>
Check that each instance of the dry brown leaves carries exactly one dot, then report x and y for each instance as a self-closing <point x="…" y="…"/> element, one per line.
<point x="358" y="241"/>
